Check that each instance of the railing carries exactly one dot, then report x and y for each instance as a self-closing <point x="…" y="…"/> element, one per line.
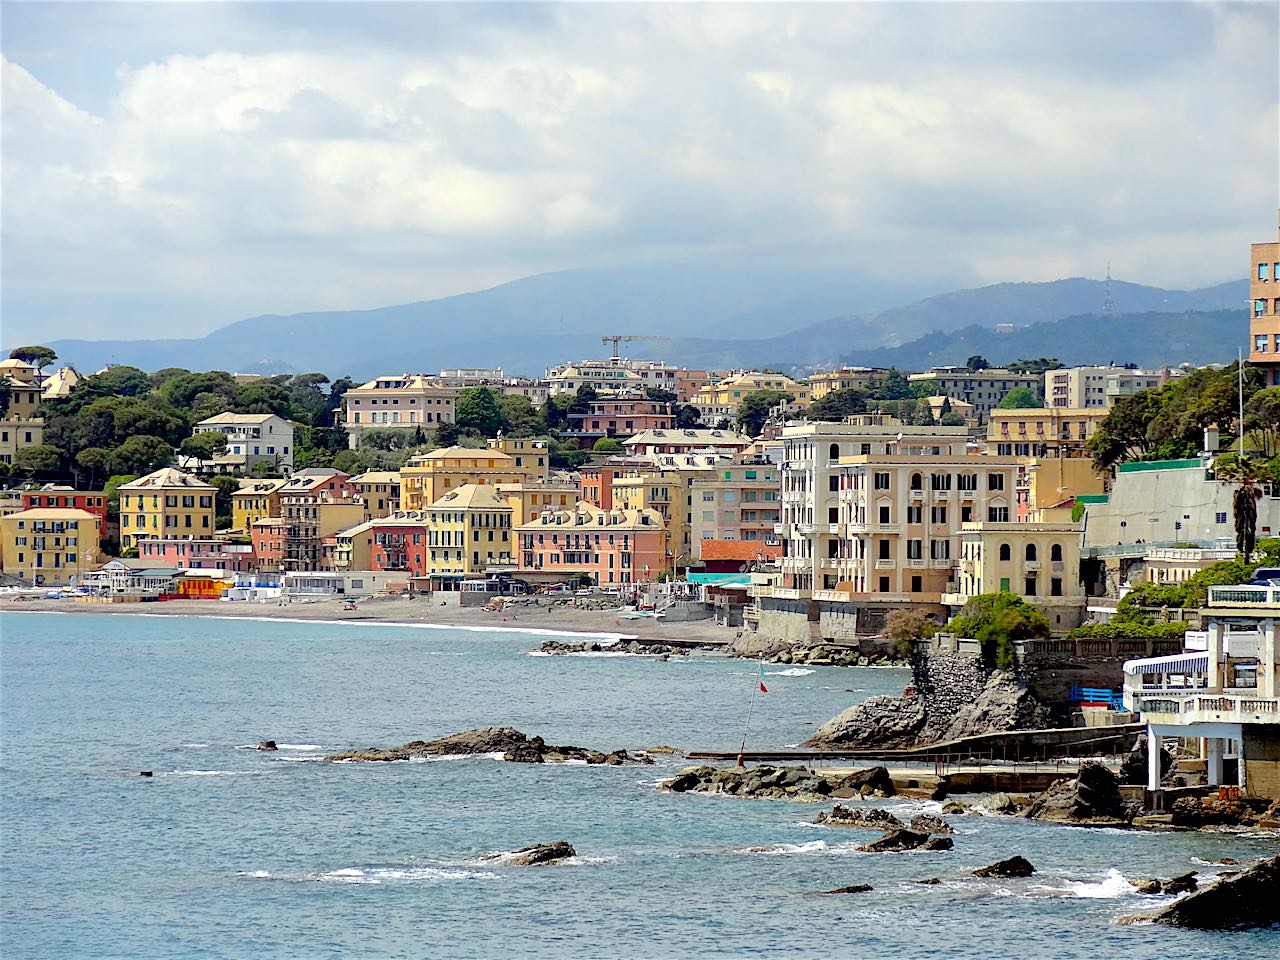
<point x="1244" y="594"/>
<point x="1195" y="706"/>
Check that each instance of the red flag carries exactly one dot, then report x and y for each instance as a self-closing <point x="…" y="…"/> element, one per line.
<point x="763" y="688"/>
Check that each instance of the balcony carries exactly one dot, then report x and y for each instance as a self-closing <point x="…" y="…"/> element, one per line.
<point x="1168" y="707"/>
<point x="834" y="529"/>
<point x="941" y="563"/>
<point x="916" y="494"/>
<point x="885" y="564"/>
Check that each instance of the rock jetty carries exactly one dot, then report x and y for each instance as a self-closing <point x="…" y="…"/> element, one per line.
<point x="1198" y="812"/>
<point x="560" y="648"/>
<point x="897" y="841"/>
<point x="514" y="746"/>
<point x="1247" y="899"/>
<point x="852" y="888"/>
<point x="779" y="783"/>
<point x="1092" y="799"/>
<point x="860" y="818"/>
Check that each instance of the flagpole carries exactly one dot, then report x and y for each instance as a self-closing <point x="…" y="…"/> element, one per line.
<point x="755" y="689"/>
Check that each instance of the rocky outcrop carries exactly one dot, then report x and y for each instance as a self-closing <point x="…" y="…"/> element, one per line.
<point x="267" y="745"/>
<point x="1013" y="867"/>
<point x="1183" y="883"/>
<point x="560" y="648"/>
<point x="1248" y="899"/>
<point x="1134" y="768"/>
<point x="862" y="818"/>
<point x="928" y="823"/>
<point x="1091" y="799"/>
<point x="895" y="841"/>
<point x="995" y="803"/>
<point x="510" y="742"/>
<point x="864" y="783"/>
<point x="536" y="855"/>
<point x="762" y="782"/>
<point x="939" y="843"/>
<point x="852" y="888"/>
<point x="1005" y="703"/>
<point x="1211" y="811"/>
<point x="755" y="646"/>
<point x="890" y="723"/>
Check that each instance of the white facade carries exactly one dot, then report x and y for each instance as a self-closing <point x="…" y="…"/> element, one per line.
<point x="252" y="438"/>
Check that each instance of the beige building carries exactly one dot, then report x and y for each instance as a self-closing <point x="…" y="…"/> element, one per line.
<point x="1098" y="387"/>
<point x="166" y="503"/>
<point x="737" y="501"/>
<point x="1177" y="565"/>
<point x="1039" y="562"/>
<point x="380" y="491"/>
<point x="653" y="443"/>
<point x="469" y="529"/>
<point x="898" y="520"/>
<point x="21" y="425"/>
<point x="668" y="491"/>
<point x="720" y="400"/>
<point x="255" y="500"/>
<point x="252" y="439"/>
<point x="49" y="546"/>
<point x="59" y="384"/>
<point x="1052" y="481"/>
<point x="427" y="477"/>
<point x="614" y="374"/>
<point x="408" y="402"/>
<point x="353" y="547"/>
<point x="1264" y="309"/>
<point x="982" y="388"/>
<point x="846" y="378"/>
<point x="1042" y="431"/>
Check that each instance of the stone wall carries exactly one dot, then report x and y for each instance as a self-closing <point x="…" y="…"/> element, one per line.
<point x="948" y="681"/>
<point x="1261" y="744"/>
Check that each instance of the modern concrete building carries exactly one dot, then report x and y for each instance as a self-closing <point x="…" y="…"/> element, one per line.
<point x="1096" y="387"/>
<point x="1264" y="308"/>
<point x="737" y="501"/>
<point x="982" y="388"/>
<point x="166" y="503"/>
<point x="408" y="402"/>
<point x="252" y="439"/>
<point x="618" y="546"/>
<point x="1224" y="689"/>
<point x="49" y="546"/>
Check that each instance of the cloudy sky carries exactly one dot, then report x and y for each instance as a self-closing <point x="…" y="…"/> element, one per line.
<point x="168" y="168"/>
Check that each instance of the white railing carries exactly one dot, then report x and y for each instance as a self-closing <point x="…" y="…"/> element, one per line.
<point x="1244" y="594"/>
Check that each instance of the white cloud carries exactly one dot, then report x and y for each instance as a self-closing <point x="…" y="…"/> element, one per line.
<point x="357" y="163"/>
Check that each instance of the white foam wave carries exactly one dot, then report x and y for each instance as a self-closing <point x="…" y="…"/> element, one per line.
<point x="585" y="653"/>
<point x="1108" y="888"/>
<point x="206" y="773"/>
<point x="195" y="746"/>
<point x="496" y="755"/>
<point x="375" y="875"/>
<point x="781" y="849"/>
<point x="792" y="672"/>
<point x="298" y="746"/>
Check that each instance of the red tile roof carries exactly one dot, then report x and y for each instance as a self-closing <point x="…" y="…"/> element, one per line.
<point x="739" y="550"/>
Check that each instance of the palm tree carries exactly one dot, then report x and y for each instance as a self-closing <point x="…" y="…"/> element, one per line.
<point x="1247" y="476"/>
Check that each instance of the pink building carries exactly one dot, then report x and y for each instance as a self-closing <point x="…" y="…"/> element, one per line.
<point x="267" y="536"/>
<point x="618" y="416"/>
<point x="401" y="546"/>
<point x="609" y="546"/>
<point x="191" y="554"/>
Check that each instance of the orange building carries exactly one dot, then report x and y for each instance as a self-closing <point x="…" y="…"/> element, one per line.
<point x="1264" y="309"/>
<point x="268" y="544"/>
<point x="607" y="546"/>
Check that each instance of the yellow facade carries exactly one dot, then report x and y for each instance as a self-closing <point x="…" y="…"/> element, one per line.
<point x="49" y="546"/>
<point x="527" y="500"/>
<point x="732" y="390"/>
<point x="469" y="530"/>
<point x="22" y="425"/>
<point x="353" y="549"/>
<point x="847" y="378"/>
<point x="669" y="493"/>
<point x="380" y="491"/>
<point x="425" y="479"/>
<point x="1042" y="431"/>
<point x="1053" y="480"/>
<point x="167" y="503"/>
<point x="255" y="500"/>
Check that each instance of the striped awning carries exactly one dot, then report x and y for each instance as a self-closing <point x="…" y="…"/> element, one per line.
<point x="1178" y="663"/>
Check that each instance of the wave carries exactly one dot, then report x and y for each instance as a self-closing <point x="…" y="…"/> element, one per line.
<point x="195" y="746"/>
<point x="777" y="849"/>
<point x="374" y="875"/>
<point x="496" y="755"/>
<point x="586" y="653"/>
<point x="299" y="746"/>
<point x="1111" y="886"/>
<point x="793" y="672"/>
<point x="207" y="773"/>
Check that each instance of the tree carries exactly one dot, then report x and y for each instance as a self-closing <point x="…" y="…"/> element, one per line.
<point x="39" y="357"/>
<point x="837" y="405"/>
<point x="755" y="407"/>
<point x="226" y="486"/>
<point x="140" y="455"/>
<point x="266" y="396"/>
<point x="120" y="381"/>
<point x="997" y="621"/>
<point x="661" y="396"/>
<point x="1019" y="398"/>
<point x="951" y="420"/>
<point x="112" y="491"/>
<point x="687" y="417"/>
<point x="181" y="390"/>
<point x="896" y="386"/>
<point x="607" y="445"/>
<point x="39" y="461"/>
<point x="93" y="460"/>
<point x="6" y="394"/>
<point x="477" y="411"/>
<point x="1039" y="366"/>
<point x="908" y="626"/>
<point x="1245" y="474"/>
<point x="349" y="462"/>
<point x="520" y="418"/>
<point x="164" y="375"/>
<point x="977" y="362"/>
<point x="205" y="446"/>
<point x="306" y="396"/>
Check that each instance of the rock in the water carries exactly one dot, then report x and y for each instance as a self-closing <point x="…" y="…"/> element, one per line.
<point x="1182" y="883"/>
<point x="1248" y="899"/>
<point x="1134" y="768"/>
<point x="895" y="841"/>
<point x="1213" y="812"/>
<point x="764" y="781"/>
<point x="267" y="745"/>
<point x="862" y="783"/>
<point x="1013" y="867"/>
<point x="852" y="888"/>
<point x="888" y="722"/>
<point x="955" y="807"/>
<point x="929" y="881"/>
<point x="998" y="803"/>
<point x="538" y="854"/>
<point x="939" y="843"/>
<point x="928" y="823"/>
<point x="870" y="818"/>
<point x="514" y="746"/>
<point x="145" y="773"/>
<point x="1092" y="799"/>
<point x="1146" y="885"/>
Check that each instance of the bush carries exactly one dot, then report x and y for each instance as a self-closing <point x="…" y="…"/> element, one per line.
<point x="997" y="621"/>
<point x="1133" y="628"/>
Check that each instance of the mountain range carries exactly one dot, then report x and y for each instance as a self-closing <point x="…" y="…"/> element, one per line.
<point x="713" y="317"/>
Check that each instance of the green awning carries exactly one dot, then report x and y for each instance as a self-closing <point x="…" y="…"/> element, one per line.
<point x="720" y="579"/>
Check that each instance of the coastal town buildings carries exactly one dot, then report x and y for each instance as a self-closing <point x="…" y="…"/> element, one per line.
<point x="49" y="546"/>
<point x="618" y="416"/>
<point x="59" y="384"/>
<point x="267" y="538"/>
<point x="408" y="402"/>
<point x="668" y="491"/>
<point x="353" y="547"/>
<point x="255" y="500"/>
<point x="613" y="374"/>
<point x="1264" y="308"/>
<point x="198" y="553"/>
<point x="651" y="443"/>
<point x="1096" y="387"/>
<point x="1042" y="431"/>
<point x="315" y="503"/>
<point x="618" y="546"/>
<point x="721" y="400"/>
<point x="399" y="545"/>
<point x="737" y="501"/>
<point x="425" y="478"/>
<point x="380" y="491"/>
<point x="868" y="379"/>
<point x="468" y="531"/>
<point x="165" y="503"/>
<point x="51" y="496"/>
<point x="252" y="439"/>
<point x="22" y="425"/>
<point x="531" y="497"/>
<point x="982" y="388"/>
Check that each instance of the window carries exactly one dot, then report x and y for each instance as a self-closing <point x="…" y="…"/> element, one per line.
<point x="940" y="481"/>
<point x="916" y="584"/>
<point x="1031" y="587"/>
<point x="995" y="481"/>
<point x="833" y="483"/>
<point x="1259" y="308"/>
<point x="1259" y="343"/>
<point x="938" y="514"/>
<point x="882" y="481"/>
<point x="884" y="549"/>
<point x="967" y="481"/>
<point x="1031" y="551"/>
<point x="1055" y="552"/>
<point x="833" y="452"/>
<point x="1262" y="271"/>
<point x="884" y="584"/>
<point x="1220" y="518"/>
<point x="865" y="449"/>
<point x="915" y="514"/>
<point x="917" y="482"/>
<point x="915" y="549"/>
<point x="1055" y="587"/>
<point x="940" y="549"/>
<point x="1275" y="271"/>
<point x="997" y="514"/>
<point x="884" y="513"/>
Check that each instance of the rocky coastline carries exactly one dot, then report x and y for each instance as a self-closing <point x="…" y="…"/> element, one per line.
<point x="514" y="746"/>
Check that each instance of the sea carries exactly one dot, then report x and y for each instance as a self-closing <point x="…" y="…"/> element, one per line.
<point x="231" y="852"/>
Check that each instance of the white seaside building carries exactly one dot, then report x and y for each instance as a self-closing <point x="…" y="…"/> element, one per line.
<point x="1223" y="689"/>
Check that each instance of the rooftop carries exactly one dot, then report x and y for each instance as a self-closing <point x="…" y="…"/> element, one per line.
<point x="167" y="478"/>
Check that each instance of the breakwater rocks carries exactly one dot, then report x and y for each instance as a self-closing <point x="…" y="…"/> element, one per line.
<point x="514" y="746"/>
<point x="937" y="707"/>
<point x="859" y="818"/>
<point x="899" y="841"/>
<point x="536" y="855"/>
<point x="1092" y="799"/>
<point x="779" y="783"/>
<point x="1239" y="901"/>
<point x="559" y="648"/>
<point x="752" y="646"/>
<point x="1202" y="812"/>
<point x="1013" y="867"/>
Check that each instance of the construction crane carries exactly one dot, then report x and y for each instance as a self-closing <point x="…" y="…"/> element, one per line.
<point x="618" y="338"/>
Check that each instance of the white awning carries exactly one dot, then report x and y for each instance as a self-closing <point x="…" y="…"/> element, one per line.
<point x="1178" y="663"/>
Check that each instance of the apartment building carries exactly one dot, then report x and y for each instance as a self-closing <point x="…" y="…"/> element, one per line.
<point x="380" y="491"/>
<point x="618" y="416"/>
<point x="315" y="503"/>
<point x="198" y="553"/>
<point x="720" y="400"/>
<point x="49" y="546"/>
<point x="668" y="491"/>
<point x="1039" y="562"/>
<point x="59" y="384"/>
<point x="652" y="443"/>
<point x="255" y="500"/>
<point x="898" y="520"/>
<point x="22" y="425"/>
<point x="1095" y="387"/>
<point x="1042" y="431"/>
<point x="847" y="378"/>
<point x="51" y="497"/>
<point x="619" y="546"/>
<point x="738" y="501"/>
<point x="982" y="388"/>
<point x="1125" y="383"/>
<point x="252" y="439"/>
<point x="1264" y="308"/>
<point x="427" y="477"/>
<point x="165" y="503"/>
<point x="407" y="402"/>
<point x="352" y="547"/>
<point x="267" y="537"/>
<point x="469" y="530"/>
<point x="811" y="470"/>
<point x="530" y="498"/>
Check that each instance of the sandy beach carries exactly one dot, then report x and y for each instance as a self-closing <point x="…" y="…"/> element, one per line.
<point x="414" y="612"/>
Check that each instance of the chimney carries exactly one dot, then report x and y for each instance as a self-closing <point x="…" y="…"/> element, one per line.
<point x="1211" y="440"/>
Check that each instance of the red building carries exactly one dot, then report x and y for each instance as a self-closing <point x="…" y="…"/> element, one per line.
<point x="268" y="544"/>
<point x="730" y="556"/>
<point x="91" y="501"/>
<point x="183" y="553"/>
<point x="401" y="546"/>
<point x="618" y="416"/>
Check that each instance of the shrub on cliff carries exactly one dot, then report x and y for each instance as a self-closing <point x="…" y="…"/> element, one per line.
<point x="907" y="626"/>
<point x="997" y="621"/>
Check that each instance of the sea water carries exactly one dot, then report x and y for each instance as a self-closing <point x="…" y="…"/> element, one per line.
<point x="228" y="852"/>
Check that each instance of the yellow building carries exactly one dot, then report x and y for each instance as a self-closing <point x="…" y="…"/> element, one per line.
<point x="468" y="530"/>
<point x="167" y="503"/>
<point x="721" y="400"/>
<point x="426" y="478"/>
<point x="22" y="425"/>
<point x="846" y="378"/>
<point x="529" y="499"/>
<point x="669" y="492"/>
<point x="1039" y="562"/>
<point x="255" y="500"/>
<point x="353" y="549"/>
<point x="380" y="491"/>
<point x="49" y="546"/>
<point x="1054" y="480"/>
<point x="1042" y="431"/>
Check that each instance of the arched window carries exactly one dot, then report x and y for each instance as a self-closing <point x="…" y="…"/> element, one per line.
<point x="1055" y="552"/>
<point x="834" y="452"/>
<point x="917" y="482"/>
<point x="1005" y="552"/>
<point x="1031" y="551"/>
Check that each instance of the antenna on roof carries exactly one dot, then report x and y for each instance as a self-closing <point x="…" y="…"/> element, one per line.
<point x="1107" y="305"/>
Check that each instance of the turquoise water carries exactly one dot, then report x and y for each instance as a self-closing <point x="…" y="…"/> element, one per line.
<point x="227" y="852"/>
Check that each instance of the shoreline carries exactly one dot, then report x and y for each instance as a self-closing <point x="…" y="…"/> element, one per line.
<point x="557" y="621"/>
